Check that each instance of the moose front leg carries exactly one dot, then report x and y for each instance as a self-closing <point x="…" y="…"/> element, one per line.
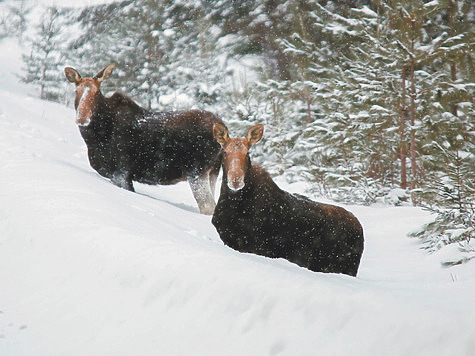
<point x="121" y="161"/>
<point x="123" y="179"/>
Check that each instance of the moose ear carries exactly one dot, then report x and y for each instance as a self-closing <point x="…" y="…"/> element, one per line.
<point x="254" y="134"/>
<point x="221" y="134"/>
<point x="105" y="73"/>
<point x="72" y="75"/>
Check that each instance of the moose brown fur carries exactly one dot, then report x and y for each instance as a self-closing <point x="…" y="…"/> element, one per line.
<point x="128" y="143"/>
<point x="254" y="215"/>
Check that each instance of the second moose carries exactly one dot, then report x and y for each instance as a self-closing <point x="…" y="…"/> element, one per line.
<point x="254" y="215"/>
<point x="128" y="143"/>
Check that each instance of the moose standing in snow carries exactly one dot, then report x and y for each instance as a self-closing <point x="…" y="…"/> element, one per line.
<point x="128" y="143"/>
<point x="254" y="215"/>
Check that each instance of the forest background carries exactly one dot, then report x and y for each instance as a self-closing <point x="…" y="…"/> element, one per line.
<point x="370" y="101"/>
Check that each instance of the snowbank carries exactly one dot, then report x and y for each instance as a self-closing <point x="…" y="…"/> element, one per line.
<point x="87" y="268"/>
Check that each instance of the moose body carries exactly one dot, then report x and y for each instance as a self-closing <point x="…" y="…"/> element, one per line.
<point x="128" y="143"/>
<point x="254" y="215"/>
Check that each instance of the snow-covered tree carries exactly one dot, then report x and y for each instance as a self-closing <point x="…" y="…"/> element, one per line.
<point x="374" y="94"/>
<point x="452" y="202"/>
<point x="165" y="51"/>
<point x="41" y="64"/>
<point x="14" y="21"/>
<point x="197" y="69"/>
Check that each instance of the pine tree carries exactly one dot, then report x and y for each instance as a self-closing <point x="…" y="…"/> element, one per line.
<point x="41" y="65"/>
<point x="336" y="126"/>
<point x="14" y="21"/>
<point x="375" y="100"/>
<point x="4" y="32"/>
<point x="163" y="50"/>
<point x="131" y="35"/>
<point x="450" y="154"/>
<point x="196" y="70"/>
<point x="451" y="200"/>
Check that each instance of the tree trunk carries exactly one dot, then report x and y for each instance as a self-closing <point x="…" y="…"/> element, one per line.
<point x="309" y="112"/>
<point x="402" y="131"/>
<point x="413" y="110"/>
<point x="413" y="129"/>
<point x="453" y="68"/>
<point x="43" y="77"/>
<point x="453" y="76"/>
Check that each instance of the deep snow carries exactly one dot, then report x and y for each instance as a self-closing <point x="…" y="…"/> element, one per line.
<point x="87" y="268"/>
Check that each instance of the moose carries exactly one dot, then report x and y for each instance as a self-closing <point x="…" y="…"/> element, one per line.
<point x="127" y="143"/>
<point x="254" y="215"/>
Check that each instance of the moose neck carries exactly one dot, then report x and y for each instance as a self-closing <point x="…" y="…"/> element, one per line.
<point x="101" y="120"/>
<point x="255" y="180"/>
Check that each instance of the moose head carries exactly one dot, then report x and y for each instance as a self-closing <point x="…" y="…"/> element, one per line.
<point x="236" y="153"/>
<point x="87" y="92"/>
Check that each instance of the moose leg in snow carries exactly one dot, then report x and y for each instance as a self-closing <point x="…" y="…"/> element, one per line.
<point x="122" y="179"/>
<point x="200" y="186"/>
<point x="213" y="177"/>
<point x="121" y="159"/>
<point x="212" y="183"/>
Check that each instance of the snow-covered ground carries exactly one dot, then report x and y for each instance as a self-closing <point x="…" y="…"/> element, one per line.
<point x="87" y="268"/>
<point x="62" y="3"/>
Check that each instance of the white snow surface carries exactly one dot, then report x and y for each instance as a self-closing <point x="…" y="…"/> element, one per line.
<point x="61" y="3"/>
<point x="87" y="268"/>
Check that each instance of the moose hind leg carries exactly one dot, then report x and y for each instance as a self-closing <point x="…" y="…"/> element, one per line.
<point x="200" y="186"/>
<point x="213" y="177"/>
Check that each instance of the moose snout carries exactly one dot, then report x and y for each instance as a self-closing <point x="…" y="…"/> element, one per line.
<point x="83" y="117"/>
<point x="236" y="183"/>
<point x="235" y="174"/>
<point x="83" y="122"/>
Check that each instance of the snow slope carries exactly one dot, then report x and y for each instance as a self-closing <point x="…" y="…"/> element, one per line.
<point x="87" y="268"/>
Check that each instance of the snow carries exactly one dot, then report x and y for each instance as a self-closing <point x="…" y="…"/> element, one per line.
<point x="73" y="3"/>
<point x="87" y="268"/>
<point x="10" y="69"/>
<point x="366" y="11"/>
<point x="176" y="100"/>
<point x="432" y="3"/>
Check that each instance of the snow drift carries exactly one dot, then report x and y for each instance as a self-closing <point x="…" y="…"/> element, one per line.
<point x="87" y="268"/>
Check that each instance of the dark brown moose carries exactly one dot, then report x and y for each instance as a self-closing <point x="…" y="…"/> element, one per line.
<point x="128" y="143"/>
<point x="254" y="215"/>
